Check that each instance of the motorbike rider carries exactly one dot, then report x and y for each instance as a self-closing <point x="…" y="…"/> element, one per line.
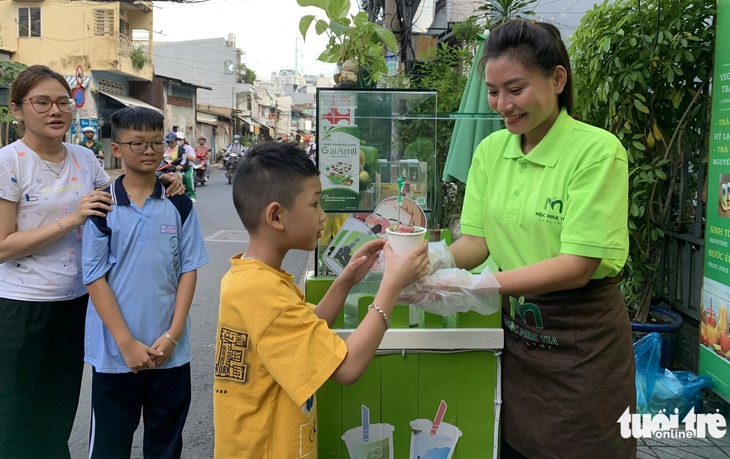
<point x="174" y="155"/>
<point x="233" y="147"/>
<point x="188" y="175"/>
<point x="203" y="150"/>
<point x="93" y="145"/>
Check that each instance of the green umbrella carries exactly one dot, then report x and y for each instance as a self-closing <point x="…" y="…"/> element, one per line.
<point x="474" y="121"/>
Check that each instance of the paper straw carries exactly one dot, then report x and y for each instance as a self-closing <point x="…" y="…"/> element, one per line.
<point x="439" y="416"/>
<point x="365" y="424"/>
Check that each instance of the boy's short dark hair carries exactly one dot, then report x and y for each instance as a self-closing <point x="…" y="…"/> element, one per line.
<point x="269" y="172"/>
<point x="136" y="119"/>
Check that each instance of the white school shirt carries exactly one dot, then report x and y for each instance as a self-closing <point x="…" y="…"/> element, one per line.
<point x="54" y="272"/>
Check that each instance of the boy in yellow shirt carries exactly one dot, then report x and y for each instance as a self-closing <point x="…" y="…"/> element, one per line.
<point x="274" y="350"/>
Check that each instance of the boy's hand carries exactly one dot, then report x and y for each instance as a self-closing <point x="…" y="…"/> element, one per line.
<point x="407" y="267"/>
<point x="361" y="262"/>
<point x="164" y="345"/>
<point x="138" y="356"/>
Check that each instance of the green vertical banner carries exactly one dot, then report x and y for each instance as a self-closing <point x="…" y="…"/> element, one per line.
<point x="714" y="333"/>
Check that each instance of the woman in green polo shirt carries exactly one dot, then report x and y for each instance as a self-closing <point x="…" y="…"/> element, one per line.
<point x="547" y="199"/>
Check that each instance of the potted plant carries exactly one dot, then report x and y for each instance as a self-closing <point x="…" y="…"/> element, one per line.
<point x="651" y="90"/>
<point x="354" y="43"/>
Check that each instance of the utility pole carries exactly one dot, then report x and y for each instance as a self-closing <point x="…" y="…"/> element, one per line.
<point x="392" y="22"/>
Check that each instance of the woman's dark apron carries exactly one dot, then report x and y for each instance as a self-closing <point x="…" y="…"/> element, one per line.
<point x="568" y="373"/>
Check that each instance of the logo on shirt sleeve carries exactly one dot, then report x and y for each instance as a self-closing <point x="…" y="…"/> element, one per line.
<point x="230" y="356"/>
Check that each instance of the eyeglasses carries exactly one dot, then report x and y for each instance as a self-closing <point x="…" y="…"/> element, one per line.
<point x="43" y="104"/>
<point x="139" y="147"/>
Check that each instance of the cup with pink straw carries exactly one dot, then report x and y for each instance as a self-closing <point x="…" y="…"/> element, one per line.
<point x="434" y="439"/>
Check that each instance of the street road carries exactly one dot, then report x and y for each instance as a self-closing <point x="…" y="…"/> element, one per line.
<point x="225" y="236"/>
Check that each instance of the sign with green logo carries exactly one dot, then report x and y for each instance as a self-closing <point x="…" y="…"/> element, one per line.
<point x="714" y="331"/>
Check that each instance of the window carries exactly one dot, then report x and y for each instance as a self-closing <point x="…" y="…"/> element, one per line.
<point x="29" y="21"/>
<point x="124" y="28"/>
<point x="103" y="22"/>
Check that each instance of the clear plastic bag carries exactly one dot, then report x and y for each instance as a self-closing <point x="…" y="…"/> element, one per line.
<point x="659" y="389"/>
<point x="451" y="290"/>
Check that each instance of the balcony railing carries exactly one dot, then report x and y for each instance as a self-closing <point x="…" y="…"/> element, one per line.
<point x="126" y="45"/>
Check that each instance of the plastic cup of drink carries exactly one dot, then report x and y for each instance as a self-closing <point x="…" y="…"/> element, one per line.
<point x="378" y="446"/>
<point x="404" y="238"/>
<point x="438" y="446"/>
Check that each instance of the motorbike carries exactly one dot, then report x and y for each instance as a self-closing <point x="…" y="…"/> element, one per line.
<point x="231" y="162"/>
<point x="199" y="170"/>
<point x="167" y="167"/>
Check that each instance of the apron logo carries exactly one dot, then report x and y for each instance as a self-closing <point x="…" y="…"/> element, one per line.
<point x="520" y="308"/>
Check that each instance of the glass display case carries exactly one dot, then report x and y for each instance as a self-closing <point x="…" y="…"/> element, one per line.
<point x="366" y="140"/>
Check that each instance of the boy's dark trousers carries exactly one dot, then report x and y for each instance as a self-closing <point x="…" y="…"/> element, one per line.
<point x="162" y="397"/>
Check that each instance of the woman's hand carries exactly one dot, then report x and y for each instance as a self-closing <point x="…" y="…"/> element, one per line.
<point x="96" y="203"/>
<point x="361" y="262"/>
<point x="406" y="267"/>
<point x="173" y="184"/>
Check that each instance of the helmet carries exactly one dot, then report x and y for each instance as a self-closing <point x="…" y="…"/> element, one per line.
<point x="88" y="129"/>
<point x="201" y="136"/>
<point x="170" y="137"/>
<point x="236" y="137"/>
<point x="180" y="135"/>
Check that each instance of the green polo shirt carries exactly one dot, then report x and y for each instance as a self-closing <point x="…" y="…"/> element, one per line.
<point x="568" y="195"/>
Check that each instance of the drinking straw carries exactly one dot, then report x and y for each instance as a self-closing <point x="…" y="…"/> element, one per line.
<point x="439" y="416"/>
<point x="365" y="424"/>
<point x="401" y="184"/>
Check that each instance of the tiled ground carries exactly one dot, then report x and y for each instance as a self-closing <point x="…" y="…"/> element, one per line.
<point x="675" y="448"/>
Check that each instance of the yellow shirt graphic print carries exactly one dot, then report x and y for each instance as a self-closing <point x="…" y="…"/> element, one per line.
<point x="272" y="354"/>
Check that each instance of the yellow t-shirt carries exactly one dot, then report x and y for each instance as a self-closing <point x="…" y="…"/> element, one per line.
<point x="272" y="354"/>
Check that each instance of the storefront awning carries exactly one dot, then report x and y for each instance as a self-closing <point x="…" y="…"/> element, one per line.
<point x="206" y="118"/>
<point x="130" y="101"/>
<point x="250" y="121"/>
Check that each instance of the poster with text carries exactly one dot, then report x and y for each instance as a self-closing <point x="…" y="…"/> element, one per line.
<point x="714" y="332"/>
<point x="339" y="152"/>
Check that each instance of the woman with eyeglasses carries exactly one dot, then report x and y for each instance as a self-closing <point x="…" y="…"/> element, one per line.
<point x="48" y="188"/>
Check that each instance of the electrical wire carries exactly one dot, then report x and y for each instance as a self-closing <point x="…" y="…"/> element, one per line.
<point x="658" y="25"/>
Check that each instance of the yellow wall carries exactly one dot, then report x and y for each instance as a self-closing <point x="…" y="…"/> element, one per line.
<point x="67" y="37"/>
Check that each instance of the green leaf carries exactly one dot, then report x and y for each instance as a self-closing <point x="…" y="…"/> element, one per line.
<point x="304" y="24"/>
<point x="340" y="27"/>
<point x="634" y="210"/>
<point x="640" y="106"/>
<point x="606" y="44"/>
<point x="329" y="55"/>
<point x="338" y="9"/>
<point x="638" y="145"/>
<point x="388" y="38"/>
<point x="323" y="4"/>
<point x="321" y="26"/>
